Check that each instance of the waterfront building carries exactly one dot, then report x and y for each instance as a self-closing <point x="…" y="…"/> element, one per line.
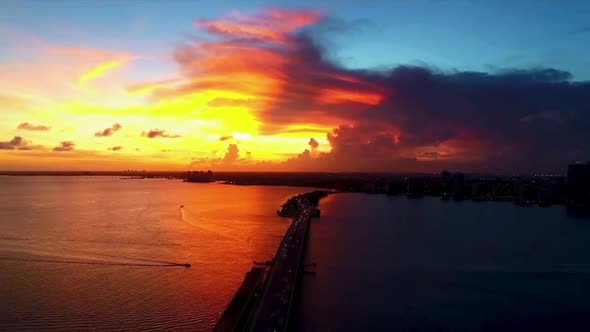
<point x="578" y="184"/>
<point x="481" y="190"/>
<point x="458" y="186"/>
<point x="415" y="187"/>
<point x="446" y="182"/>
<point x="503" y="190"/>
<point x="194" y="176"/>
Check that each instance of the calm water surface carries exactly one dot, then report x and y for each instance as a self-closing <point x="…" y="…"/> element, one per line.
<point x="390" y="263"/>
<point x="127" y="232"/>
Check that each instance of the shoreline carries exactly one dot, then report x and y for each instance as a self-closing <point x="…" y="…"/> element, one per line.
<point x="391" y="184"/>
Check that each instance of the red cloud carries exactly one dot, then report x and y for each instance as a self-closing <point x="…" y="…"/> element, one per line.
<point x="276" y="71"/>
<point x="273" y="25"/>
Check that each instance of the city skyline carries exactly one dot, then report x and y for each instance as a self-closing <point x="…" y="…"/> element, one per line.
<point x="400" y="86"/>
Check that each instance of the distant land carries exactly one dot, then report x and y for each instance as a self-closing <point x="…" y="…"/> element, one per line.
<point x="224" y="174"/>
<point x="537" y="189"/>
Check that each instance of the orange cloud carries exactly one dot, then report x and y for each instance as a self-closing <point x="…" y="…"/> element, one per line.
<point x="158" y="133"/>
<point x="28" y="126"/>
<point x="273" y="25"/>
<point x="65" y="146"/>
<point x="337" y="96"/>
<point x="277" y="75"/>
<point x="108" y="131"/>
<point x="15" y="143"/>
<point x="225" y="137"/>
<point x="264" y="82"/>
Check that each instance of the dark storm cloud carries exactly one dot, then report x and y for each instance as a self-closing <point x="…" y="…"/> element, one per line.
<point x="158" y="133"/>
<point x="483" y="113"/>
<point x="28" y="126"/>
<point x="407" y="117"/>
<point x="65" y="146"/>
<point x="108" y="131"/>
<point x="476" y="116"/>
<point x="310" y="78"/>
<point x="517" y="120"/>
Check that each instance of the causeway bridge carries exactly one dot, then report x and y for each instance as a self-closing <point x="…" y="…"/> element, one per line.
<point x="264" y="301"/>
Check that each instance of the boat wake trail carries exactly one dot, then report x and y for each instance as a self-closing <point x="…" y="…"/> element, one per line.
<point x="64" y="255"/>
<point x="184" y="213"/>
<point x="194" y="220"/>
<point x="198" y="222"/>
<point x="160" y="262"/>
<point x="41" y="260"/>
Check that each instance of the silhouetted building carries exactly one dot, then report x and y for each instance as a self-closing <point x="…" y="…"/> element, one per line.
<point x="555" y="190"/>
<point x="525" y="192"/>
<point x="371" y="188"/>
<point x="415" y="187"/>
<point x="395" y="188"/>
<point x="578" y="185"/>
<point x="446" y="182"/>
<point x="481" y="190"/>
<point x="432" y="186"/>
<point x="503" y="190"/>
<point x="547" y="194"/>
<point x="193" y="176"/>
<point x="458" y="186"/>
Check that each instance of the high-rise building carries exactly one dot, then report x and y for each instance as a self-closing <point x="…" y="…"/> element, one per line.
<point x="481" y="190"/>
<point x="446" y="182"/>
<point x="458" y="186"/>
<point x="578" y="184"/>
<point x="525" y="192"/>
<point x="503" y="190"/>
<point x="415" y="187"/>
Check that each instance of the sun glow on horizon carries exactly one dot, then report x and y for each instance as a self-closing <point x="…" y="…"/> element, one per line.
<point x="251" y="92"/>
<point x="219" y="100"/>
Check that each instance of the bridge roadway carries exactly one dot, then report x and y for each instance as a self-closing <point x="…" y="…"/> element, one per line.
<point x="275" y="304"/>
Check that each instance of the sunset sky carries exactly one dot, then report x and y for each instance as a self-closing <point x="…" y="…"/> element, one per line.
<point x="309" y="86"/>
